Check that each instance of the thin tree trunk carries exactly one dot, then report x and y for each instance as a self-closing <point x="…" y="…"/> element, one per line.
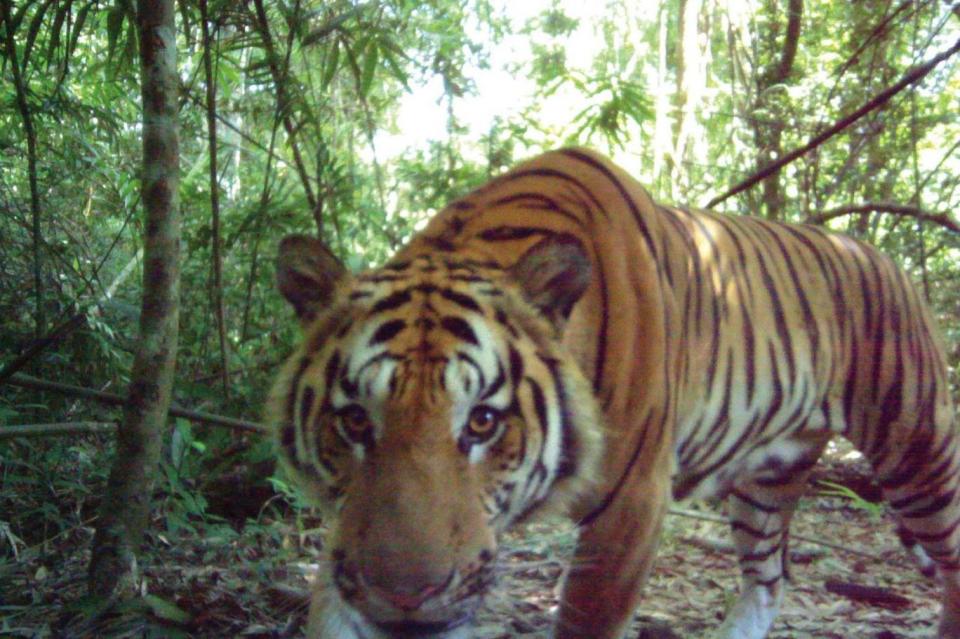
<point x="661" y="129"/>
<point x="691" y="80"/>
<point x="768" y="134"/>
<point x="283" y="105"/>
<point x="215" y="202"/>
<point x="125" y="510"/>
<point x="258" y="228"/>
<point x="24" y="107"/>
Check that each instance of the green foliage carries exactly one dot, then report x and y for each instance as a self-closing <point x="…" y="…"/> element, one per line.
<point x="830" y="489"/>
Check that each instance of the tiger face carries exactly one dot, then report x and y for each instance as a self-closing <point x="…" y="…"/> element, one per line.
<point x="428" y="407"/>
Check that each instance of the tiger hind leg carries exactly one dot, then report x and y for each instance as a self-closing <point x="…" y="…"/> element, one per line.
<point x="760" y="510"/>
<point x="921" y="481"/>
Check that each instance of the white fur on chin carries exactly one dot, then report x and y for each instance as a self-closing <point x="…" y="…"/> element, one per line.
<point x="331" y="618"/>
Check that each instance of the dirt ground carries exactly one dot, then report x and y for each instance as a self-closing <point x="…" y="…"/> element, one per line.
<point x="204" y="583"/>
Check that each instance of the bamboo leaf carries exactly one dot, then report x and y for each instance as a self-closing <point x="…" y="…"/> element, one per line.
<point x="369" y="69"/>
<point x="114" y="27"/>
<point x="330" y="64"/>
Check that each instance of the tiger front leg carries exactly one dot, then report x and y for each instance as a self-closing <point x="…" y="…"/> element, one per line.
<point x="612" y="560"/>
<point x="329" y="616"/>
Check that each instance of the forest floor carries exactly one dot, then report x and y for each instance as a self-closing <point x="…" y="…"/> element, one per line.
<point x="220" y="582"/>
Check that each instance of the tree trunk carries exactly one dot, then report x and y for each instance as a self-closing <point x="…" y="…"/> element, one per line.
<point x="125" y="510"/>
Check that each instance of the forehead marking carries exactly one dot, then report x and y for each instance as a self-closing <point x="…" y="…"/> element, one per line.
<point x="387" y="331"/>
<point x="391" y="302"/>
<point x="460" y="328"/>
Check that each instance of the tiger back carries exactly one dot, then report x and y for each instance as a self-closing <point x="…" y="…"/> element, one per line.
<point x="557" y="337"/>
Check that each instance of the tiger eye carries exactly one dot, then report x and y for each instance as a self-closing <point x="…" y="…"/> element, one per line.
<point x="483" y="424"/>
<point x="355" y="423"/>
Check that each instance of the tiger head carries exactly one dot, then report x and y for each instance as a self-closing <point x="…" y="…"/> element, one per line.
<point x="429" y="405"/>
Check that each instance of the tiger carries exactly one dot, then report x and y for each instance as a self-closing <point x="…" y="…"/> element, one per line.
<point x="557" y="341"/>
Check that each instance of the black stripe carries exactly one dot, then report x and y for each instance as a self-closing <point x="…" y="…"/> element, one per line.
<point x="540" y="405"/>
<point x="306" y="403"/>
<point x="569" y="451"/>
<point x="391" y="302"/>
<point x="934" y="507"/>
<point x="624" y="194"/>
<point x="295" y="386"/>
<point x="510" y="233"/>
<point x="330" y="372"/>
<point x="460" y="328"/>
<point x="779" y="315"/>
<point x="754" y="503"/>
<point x="537" y="201"/>
<point x="387" y="331"/>
<point x="609" y="497"/>
<point x="460" y="299"/>
<point x="516" y="366"/>
<point x="501" y="317"/>
<point x="463" y="357"/>
<point x="497" y="383"/>
<point x="349" y="388"/>
<point x="288" y="436"/>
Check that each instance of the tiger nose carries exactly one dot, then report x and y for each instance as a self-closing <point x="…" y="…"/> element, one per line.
<point x="407" y="590"/>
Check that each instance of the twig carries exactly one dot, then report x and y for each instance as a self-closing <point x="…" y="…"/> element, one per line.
<point x="262" y="25"/>
<point x="911" y="77"/>
<point x="891" y="208"/>
<point x="61" y="428"/>
<point x="26" y="381"/>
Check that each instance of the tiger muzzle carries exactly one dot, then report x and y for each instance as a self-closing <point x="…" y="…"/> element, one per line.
<point x="415" y="554"/>
<point x="411" y="605"/>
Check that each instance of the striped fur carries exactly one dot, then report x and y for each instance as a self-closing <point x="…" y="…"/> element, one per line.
<point x="722" y="352"/>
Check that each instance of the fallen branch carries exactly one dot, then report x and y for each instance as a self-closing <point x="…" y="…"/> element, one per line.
<point x="27" y="381"/>
<point x="911" y="77"/>
<point x="890" y="208"/>
<point x="61" y="428"/>
<point x="872" y="595"/>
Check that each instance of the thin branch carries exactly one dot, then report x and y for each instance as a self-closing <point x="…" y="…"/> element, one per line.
<point x="31" y="136"/>
<point x="890" y="208"/>
<point x="284" y="103"/>
<point x="69" y="325"/>
<point x="112" y="399"/>
<point x="55" y="430"/>
<point x="39" y="345"/>
<point x="911" y="77"/>
<point x="215" y="240"/>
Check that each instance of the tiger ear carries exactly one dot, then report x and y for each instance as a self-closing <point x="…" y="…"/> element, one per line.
<point x="307" y="274"/>
<point x="553" y="274"/>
